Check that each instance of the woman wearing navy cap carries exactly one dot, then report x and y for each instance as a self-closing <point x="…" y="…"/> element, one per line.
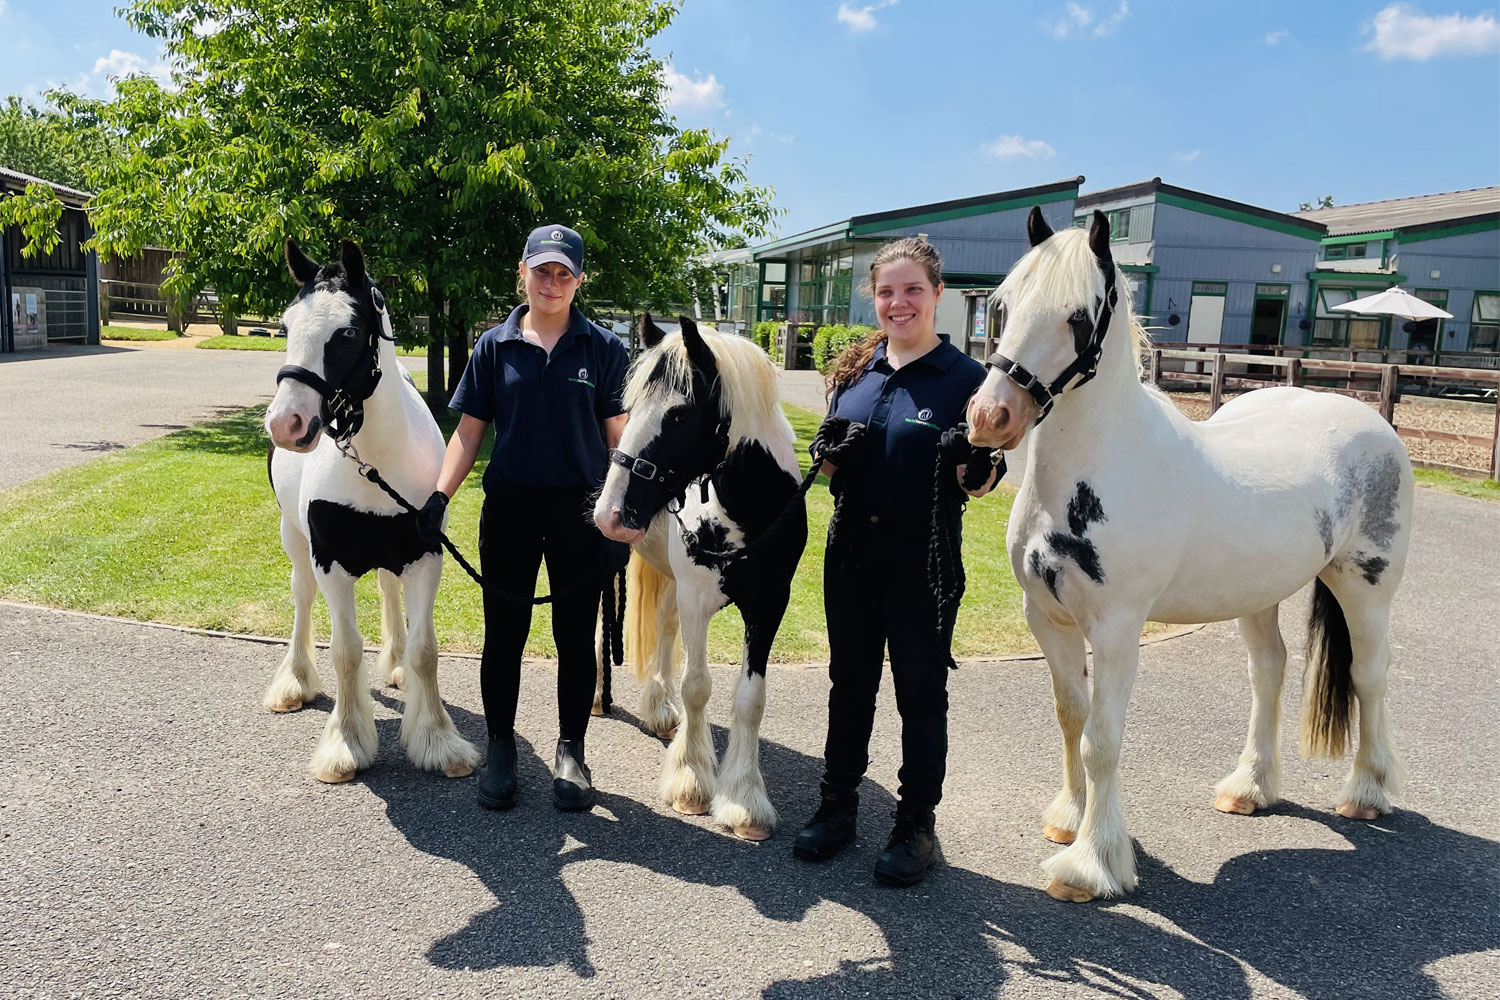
<point x="904" y="387"/>
<point x="551" y="382"/>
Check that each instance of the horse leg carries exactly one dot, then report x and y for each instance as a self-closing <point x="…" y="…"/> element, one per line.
<point x="740" y="802"/>
<point x="659" y="698"/>
<point x="1377" y="769"/>
<point x="1256" y="782"/>
<point x="687" y="778"/>
<point x="296" y="681"/>
<point x="1068" y="660"/>
<point x="388" y="666"/>
<point x="427" y="731"/>
<point x="349" y="741"/>
<point x="1101" y="861"/>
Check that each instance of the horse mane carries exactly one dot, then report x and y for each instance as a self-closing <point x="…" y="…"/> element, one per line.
<point x="1062" y="273"/>
<point x="747" y="382"/>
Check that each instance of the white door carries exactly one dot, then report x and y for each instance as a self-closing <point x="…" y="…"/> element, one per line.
<point x="1205" y="319"/>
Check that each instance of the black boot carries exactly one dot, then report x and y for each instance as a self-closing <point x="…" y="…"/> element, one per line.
<point x="909" y="853"/>
<point x="497" y="779"/>
<point x="831" y="827"/>
<point x="572" y="785"/>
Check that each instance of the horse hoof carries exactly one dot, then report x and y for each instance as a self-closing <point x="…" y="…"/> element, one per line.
<point x="334" y="776"/>
<point x="598" y="709"/>
<point x="689" y="808"/>
<point x="753" y="831"/>
<point x="1058" y="835"/>
<point x="667" y="735"/>
<point x="397" y="679"/>
<point x="1058" y="889"/>
<point x="458" y="769"/>
<point x="1352" y="810"/>
<point x="1234" y="804"/>
<point x="286" y="705"/>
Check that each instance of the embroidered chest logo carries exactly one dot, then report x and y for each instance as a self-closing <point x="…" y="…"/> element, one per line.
<point x="583" y="378"/>
<point x="924" y="417"/>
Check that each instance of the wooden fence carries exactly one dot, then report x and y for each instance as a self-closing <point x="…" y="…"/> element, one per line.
<point x="1385" y="379"/>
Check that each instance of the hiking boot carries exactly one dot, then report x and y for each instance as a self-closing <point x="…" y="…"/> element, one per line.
<point x="909" y="853"/>
<point x="572" y="785"/>
<point x="497" y="779"/>
<point x="831" y="827"/>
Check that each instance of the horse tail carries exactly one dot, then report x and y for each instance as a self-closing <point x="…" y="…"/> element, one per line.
<point x="1328" y="694"/>
<point x="645" y="586"/>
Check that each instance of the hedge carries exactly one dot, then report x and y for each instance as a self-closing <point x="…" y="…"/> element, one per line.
<point x="765" y="334"/>
<point x="832" y="340"/>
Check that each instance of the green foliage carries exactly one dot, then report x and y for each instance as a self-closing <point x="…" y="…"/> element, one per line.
<point x="65" y="142"/>
<point x="765" y="334"/>
<point x="240" y="342"/>
<point x="434" y="135"/>
<point x="1480" y="489"/>
<point x="831" y="340"/>
<point x="135" y="333"/>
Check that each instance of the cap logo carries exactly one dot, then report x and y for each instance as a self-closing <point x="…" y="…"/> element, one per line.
<point x="557" y="236"/>
<point x="924" y="414"/>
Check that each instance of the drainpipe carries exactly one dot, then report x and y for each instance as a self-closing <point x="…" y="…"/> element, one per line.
<point x="7" y="335"/>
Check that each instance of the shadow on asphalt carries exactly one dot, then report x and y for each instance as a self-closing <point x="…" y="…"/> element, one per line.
<point x="1330" y="924"/>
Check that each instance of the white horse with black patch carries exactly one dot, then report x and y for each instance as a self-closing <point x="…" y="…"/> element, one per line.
<point x="337" y="525"/>
<point x="1131" y="512"/>
<point x="704" y="484"/>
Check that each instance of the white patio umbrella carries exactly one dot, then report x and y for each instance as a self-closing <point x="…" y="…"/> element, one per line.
<point x="1394" y="302"/>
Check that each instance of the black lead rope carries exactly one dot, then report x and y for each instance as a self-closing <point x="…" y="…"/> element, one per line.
<point x="719" y="558"/>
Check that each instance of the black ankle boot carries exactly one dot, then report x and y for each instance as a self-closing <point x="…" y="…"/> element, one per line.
<point x="497" y="779"/>
<point x="572" y="785"/>
<point x="909" y="853"/>
<point x="831" y="827"/>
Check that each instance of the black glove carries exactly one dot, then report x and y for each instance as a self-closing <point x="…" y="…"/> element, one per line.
<point x="954" y="450"/>
<point x="839" y="441"/>
<point x="430" y="518"/>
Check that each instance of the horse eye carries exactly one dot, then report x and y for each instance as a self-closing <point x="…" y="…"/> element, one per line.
<point x="348" y="332"/>
<point x="1079" y="316"/>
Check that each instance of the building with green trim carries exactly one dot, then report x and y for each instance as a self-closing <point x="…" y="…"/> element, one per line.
<point x="1444" y="248"/>
<point x="48" y="298"/>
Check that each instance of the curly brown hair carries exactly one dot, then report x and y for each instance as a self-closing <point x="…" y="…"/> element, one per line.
<point x="848" y="366"/>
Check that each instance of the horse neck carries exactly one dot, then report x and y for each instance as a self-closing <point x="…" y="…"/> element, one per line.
<point x="386" y="425"/>
<point x="1087" y="423"/>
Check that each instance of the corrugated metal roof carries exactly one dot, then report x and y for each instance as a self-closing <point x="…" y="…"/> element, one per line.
<point x="62" y="189"/>
<point x="1402" y="213"/>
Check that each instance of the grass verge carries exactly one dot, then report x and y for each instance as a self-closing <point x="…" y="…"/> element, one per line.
<point x="184" y="529"/>
<point x="1448" y="482"/>
<point x="134" y="333"/>
<point x="242" y="342"/>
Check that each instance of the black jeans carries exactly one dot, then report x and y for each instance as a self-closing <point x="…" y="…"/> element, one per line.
<point x="881" y="598"/>
<point x="520" y="526"/>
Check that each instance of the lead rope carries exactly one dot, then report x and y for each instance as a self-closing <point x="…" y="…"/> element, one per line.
<point x="724" y="556"/>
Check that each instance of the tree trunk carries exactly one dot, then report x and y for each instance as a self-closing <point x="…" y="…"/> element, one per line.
<point x="458" y="357"/>
<point x="436" y="398"/>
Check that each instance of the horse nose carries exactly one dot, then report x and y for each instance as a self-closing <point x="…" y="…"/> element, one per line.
<point x="286" y="428"/>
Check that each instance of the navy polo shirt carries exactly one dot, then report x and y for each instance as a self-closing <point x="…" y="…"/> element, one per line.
<point x="546" y="409"/>
<point x="905" y="410"/>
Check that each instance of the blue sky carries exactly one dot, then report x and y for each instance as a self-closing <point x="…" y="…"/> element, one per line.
<point x="867" y="105"/>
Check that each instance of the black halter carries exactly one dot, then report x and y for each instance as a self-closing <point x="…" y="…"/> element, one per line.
<point x="343" y="410"/>
<point x="673" y="483"/>
<point x="1083" y="368"/>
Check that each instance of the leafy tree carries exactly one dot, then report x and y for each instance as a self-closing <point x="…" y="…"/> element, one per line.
<point x="58" y="142"/>
<point x="436" y="135"/>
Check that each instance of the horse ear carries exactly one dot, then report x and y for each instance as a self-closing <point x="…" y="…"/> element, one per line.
<point x="1037" y="230"/>
<point x="354" y="267"/>
<point x="303" y="268"/>
<point x="651" y="334"/>
<point x="697" y="351"/>
<point x="1099" y="237"/>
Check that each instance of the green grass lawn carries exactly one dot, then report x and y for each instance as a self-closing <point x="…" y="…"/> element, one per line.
<point x="134" y="333"/>
<point x="242" y="342"/>
<point x="184" y="529"/>
<point x="1483" y="489"/>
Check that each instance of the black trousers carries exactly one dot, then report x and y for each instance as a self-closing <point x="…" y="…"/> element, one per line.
<point x="517" y="529"/>
<point x="879" y="600"/>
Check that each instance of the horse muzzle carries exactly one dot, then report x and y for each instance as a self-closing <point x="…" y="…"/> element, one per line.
<point x="613" y="525"/>
<point x="996" y="421"/>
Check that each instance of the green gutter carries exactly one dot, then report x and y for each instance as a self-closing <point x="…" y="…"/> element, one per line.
<point x="1333" y="241"/>
<point x="886" y="225"/>
<point x="1354" y="278"/>
<point x="1163" y="198"/>
<point x="1437" y="234"/>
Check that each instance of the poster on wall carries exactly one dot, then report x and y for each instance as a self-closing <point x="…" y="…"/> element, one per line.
<point x="31" y="313"/>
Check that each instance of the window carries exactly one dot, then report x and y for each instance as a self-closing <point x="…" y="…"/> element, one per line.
<point x="1484" y="328"/>
<point x="824" y="285"/>
<point x="1119" y="223"/>
<point x="1345" y="251"/>
<point x="1342" y="329"/>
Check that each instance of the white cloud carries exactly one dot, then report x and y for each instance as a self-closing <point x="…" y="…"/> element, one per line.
<point x="862" y="19"/>
<point x="1010" y="147"/>
<point x="2" y="6"/>
<point x="1187" y="157"/>
<point x="756" y="132"/>
<point x="686" y="94"/>
<point x="1279" y="35"/>
<point x="117" y="65"/>
<point x="1078" y="20"/>
<point x="1404" y="32"/>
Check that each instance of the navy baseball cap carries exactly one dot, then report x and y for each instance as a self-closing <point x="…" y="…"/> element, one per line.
<point x="555" y="243"/>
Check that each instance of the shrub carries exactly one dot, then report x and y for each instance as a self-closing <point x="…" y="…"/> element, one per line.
<point x="765" y="334"/>
<point x="832" y="340"/>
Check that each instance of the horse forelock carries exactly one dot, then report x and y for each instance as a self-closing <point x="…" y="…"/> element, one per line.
<point x="746" y="380"/>
<point x="1062" y="274"/>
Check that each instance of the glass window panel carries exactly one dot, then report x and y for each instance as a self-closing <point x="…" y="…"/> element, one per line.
<point x="1486" y="307"/>
<point x="1484" y="338"/>
<point x="1334" y="253"/>
<point x="1364" y="333"/>
<point x="1355" y="250"/>
<point x="776" y="272"/>
<point x="1330" y="297"/>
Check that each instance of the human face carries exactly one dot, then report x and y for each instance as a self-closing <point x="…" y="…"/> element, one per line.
<point x="550" y="287"/>
<point x="905" y="301"/>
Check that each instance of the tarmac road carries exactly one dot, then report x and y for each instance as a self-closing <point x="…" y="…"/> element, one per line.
<point x="160" y="836"/>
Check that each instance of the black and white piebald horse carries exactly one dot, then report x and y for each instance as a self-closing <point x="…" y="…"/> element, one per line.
<point x="1129" y="511"/>
<point x="332" y="404"/>
<point x="704" y="484"/>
